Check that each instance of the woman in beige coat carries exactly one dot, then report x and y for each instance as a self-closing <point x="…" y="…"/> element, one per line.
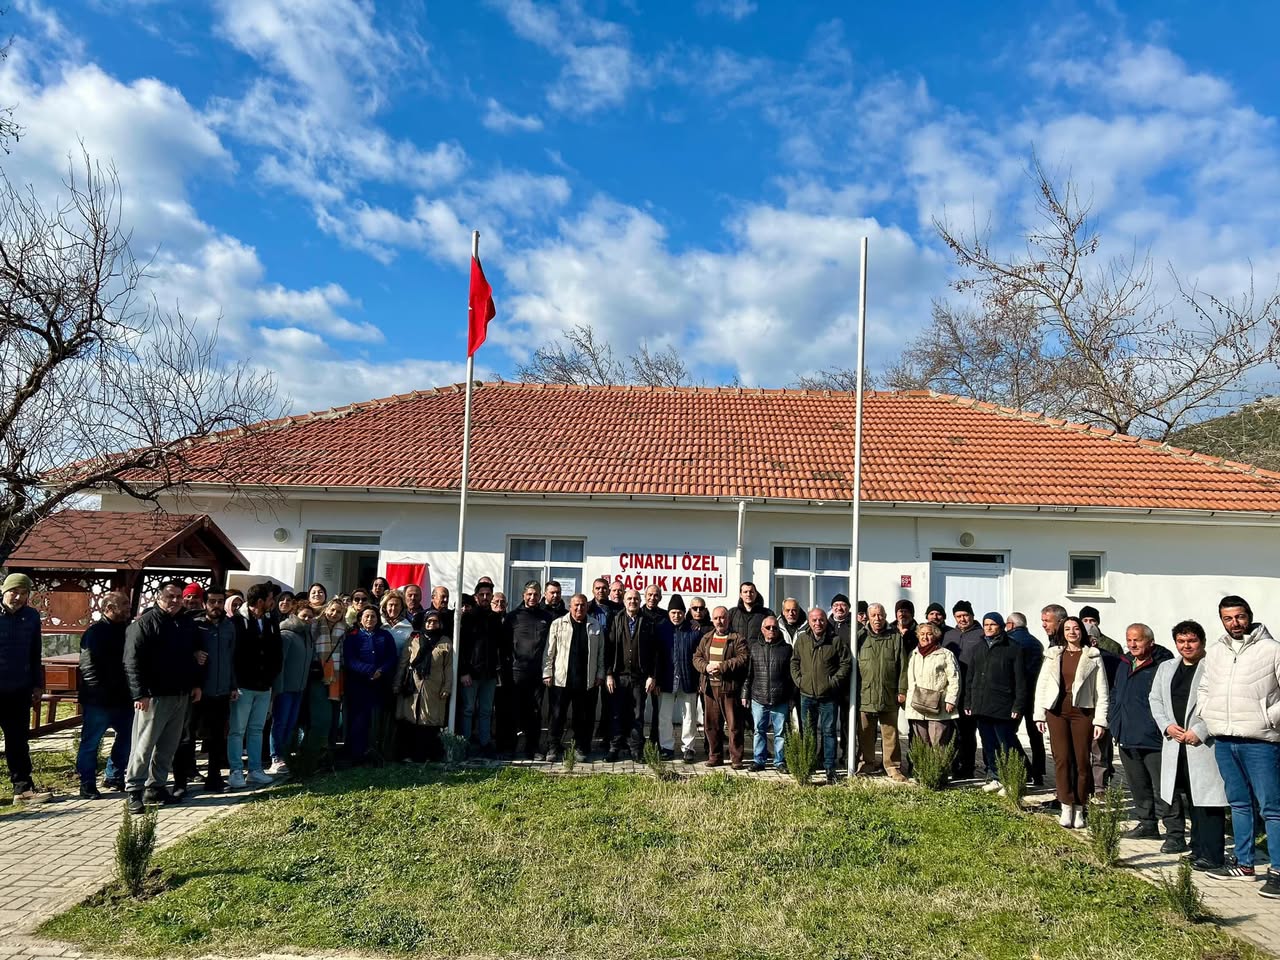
<point x="933" y="688"/>
<point x="1071" y="703"/>
<point x="421" y="687"/>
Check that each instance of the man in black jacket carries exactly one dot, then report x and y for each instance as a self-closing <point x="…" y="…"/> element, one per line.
<point x="258" y="658"/>
<point x="746" y="617"/>
<point x="104" y="696"/>
<point x="525" y="643"/>
<point x="160" y="664"/>
<point x="767" y="691"/>
<point x="630" y="656"/>
<point x="995" y="691"/>
<point x="478" y="661"/>
<point x="963" y="640"/>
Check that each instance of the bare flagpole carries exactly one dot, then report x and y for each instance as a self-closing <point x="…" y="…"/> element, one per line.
<point x="462" y="511"/>
<point x="852" y="752"/>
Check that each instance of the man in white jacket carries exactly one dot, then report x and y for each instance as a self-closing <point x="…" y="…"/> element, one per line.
<point x="1239" y="701"/>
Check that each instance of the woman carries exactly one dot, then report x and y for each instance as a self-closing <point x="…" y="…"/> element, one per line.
<point x="359" y="600"/>
<point x="1072" y="699"/>
<point x="933" y="688"/>
<point x="233" y="603"/>
<point x="324" y="681"/>
<point x="1190" y="781"/>
<point x="317" y="597"/>
<point x="421" y="686"/>
<point x="394" y="620"/>
<point x="290" y="684"/>
<point x="379" y="589"/>
<point x="369" y="657"/>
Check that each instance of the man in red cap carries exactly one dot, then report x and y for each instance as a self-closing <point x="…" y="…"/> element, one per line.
<point x="193" y="599"/>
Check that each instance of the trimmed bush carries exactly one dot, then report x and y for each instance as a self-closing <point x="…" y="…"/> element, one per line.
<point x="1105" y="819"/>
<point x="135" y="842"/>
<point x="931" y="764"/>
<point x="801" y="753"/>
<point x="1011" y="771"/>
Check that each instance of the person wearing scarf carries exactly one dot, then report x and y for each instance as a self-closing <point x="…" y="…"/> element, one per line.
<point x="421" y="686"/>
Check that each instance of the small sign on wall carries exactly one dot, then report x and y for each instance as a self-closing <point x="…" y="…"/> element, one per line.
<point x="905" y="581"/>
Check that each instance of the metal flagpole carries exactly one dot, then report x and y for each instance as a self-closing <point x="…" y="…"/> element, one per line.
<point x="462" y="512"/>
<point x="852" y="752"/>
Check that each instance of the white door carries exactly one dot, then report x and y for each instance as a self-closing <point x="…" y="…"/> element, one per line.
<point x="983" y="582"/>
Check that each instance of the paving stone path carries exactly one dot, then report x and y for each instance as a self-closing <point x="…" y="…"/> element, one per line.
<point x="54" y="855"/>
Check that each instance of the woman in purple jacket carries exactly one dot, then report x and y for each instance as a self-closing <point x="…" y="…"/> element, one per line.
<point x="369" y="658"/>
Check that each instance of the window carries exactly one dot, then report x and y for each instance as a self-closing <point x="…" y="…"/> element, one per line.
<point x="1085" y="574"/>
<point x="543" y="559"/>
<point x="342" y="561"/>
<point x="813" y="575"/>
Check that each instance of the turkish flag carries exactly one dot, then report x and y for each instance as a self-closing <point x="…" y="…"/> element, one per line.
<point x="482" y="308"/>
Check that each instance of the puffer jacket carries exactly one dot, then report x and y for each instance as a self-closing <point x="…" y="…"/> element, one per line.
<point x="102" y="680"/>
<point x="1089" y="690"/>
<point x="1132" y="724"/>
<point x="939" y="670"/>
<point x="882" y="671"/>
<point x="820" y="669"/>
<point x="421" y="683"/>
<point x="20" y="649"/>
<point x="296" y="649"/>
<point x="160" y="655"/>
<point x="769" y="673"/>
<point x="1239" y="692"/>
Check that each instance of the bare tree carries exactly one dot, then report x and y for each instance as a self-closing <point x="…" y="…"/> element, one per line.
<point x="583" y="358"/>
<point x="99" y="388"/>
<point x="10" y="132"/>
<point x="1055" y="328"/>
<point x="836" y="378"/>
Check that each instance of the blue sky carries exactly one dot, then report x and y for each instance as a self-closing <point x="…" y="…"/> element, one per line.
<point x="307" y="172"/>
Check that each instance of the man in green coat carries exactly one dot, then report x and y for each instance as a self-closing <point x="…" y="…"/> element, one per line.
<point x="882" y="688"/>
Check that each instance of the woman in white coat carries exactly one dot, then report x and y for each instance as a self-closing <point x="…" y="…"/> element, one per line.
<point x="1189" y="778"/>
<point x="1072" y="699"/>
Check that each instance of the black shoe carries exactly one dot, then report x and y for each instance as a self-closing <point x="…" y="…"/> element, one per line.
<point x="160" y="795"/>
<point x="1142" y="832"/>
<point x="781" y="768"/>
<point x="214" y="784"/>
<point x="135" y="802"/>
<point x="611" y="756"/>
<point x="757" y="768"/>
<point x="831" y="777"/>
<point x="1271" y="889"/>
<point x="115" y="783"/>
<point x="1200" y="865"/>
<point x="688" y="756"/>
<point x="89" y="792"/>
<point x="1173" y="845"/>
<point x="668" y="754"/>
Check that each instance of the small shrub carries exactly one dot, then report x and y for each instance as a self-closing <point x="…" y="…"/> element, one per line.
<point x="1182" y="895"/>
<point x="653" y="760"/>
<point x="570" y="760"/>
<point x="135" y="842"/>
<point x="801" y="753"/>
<point x="455" y="747"/>
<point x="1105" y="819"/>
<point x="1011" y="771"/>
<point x="931" y="764"/>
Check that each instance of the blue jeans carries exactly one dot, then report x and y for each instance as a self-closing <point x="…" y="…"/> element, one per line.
<point x="997" y="733"/>
<point x="477" y="710"/>
<point x="1251" y="770"/>
<point x="248" y="714"/>
<point x="821" y="715"/>
<point x="97" y="720"/>
<point x="284" y="720"/>
<point x="766" y="719"/>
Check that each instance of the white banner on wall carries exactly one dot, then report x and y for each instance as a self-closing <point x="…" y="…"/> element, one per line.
<point x="688" y="572"/>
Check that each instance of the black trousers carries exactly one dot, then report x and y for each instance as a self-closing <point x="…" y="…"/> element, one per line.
<point x="15" y="720"/>
<point x="1102" y="756"/>
<point x="1208" y="824"/>
<point x="417" y="743"/>
<point x="211" y="717"/>
<point x="966" y="747"/>
<point x="627" y="711"/>
<point x="523" y="713"/>
<point x="1036" y="739"/>
<point x="582" y="704"/>
<point x="1142" y="772"/>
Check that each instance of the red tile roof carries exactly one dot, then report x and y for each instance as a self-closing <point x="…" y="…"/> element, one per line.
<point x="86" y="539"/>
<point x="919" y="447"/>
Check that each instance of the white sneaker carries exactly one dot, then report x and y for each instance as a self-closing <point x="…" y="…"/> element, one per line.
<point x="1077" y="820"/>
<point x="991" y="786"/>
<point x="235" y="781"/>
<point x="259" y="778"/>
<point x="1002" y="792"/>
<point x="278" y="767"/>
<point x="1068" y="815"/>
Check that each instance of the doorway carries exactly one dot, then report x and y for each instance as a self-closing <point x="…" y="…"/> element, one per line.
<point x="980" y="578"/>
<point x="342" y="561"/>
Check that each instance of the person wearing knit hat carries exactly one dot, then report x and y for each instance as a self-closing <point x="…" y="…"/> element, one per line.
<point x="193" y="599"/>
<point x="995" y="693"/>
<point x="963" y="640"/>
<point x="1092" y="621"/>
<point x="675" y="602"/>
<point x="21" y="682"/>
<point x="936" y="614"/>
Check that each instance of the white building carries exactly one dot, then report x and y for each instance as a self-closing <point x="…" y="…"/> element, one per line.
<point x="698" y="489"/>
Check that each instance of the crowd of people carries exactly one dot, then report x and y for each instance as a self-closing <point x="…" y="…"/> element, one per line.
<point x="256" y="678"/>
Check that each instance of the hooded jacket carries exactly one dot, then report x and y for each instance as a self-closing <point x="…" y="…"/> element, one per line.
<point x="1239" y="692"/>
<point x="1132" y="724"/>
<point x="218" y="640"/>
<point x="296" y="650"/>
<point x="745" y="621"/>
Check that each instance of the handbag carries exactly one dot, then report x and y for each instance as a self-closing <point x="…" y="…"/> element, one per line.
<point x="927" y="701"/>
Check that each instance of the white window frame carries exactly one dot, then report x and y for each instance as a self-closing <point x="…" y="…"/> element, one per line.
<point x="812" y="573"/>
<point x="370" y="541"/>
<point x="513" y="589"/>
<point x="1086" y="591"/>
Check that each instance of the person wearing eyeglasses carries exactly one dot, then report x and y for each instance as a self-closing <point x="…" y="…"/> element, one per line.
<point x="700" y="615"/>
<point x="767" y="692"/>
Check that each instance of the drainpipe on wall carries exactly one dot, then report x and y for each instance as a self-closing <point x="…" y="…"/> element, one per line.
<point x="742" y="525"/>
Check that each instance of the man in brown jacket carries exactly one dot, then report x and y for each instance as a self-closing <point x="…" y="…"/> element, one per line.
<point x="722" y="659"/>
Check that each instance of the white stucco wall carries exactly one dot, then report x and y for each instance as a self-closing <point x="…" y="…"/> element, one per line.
<point x="1158" y="572"/>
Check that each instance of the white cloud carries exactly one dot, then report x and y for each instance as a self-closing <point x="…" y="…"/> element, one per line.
<point x="314" y="377"/>
<point x="732" y="9"/>
<point x="55" y="33"/>
<point x="501" y="120"/>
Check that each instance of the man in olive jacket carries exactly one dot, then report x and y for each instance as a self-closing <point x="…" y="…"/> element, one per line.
<point x="882" y="688"/>
<point x="820" y="666"/>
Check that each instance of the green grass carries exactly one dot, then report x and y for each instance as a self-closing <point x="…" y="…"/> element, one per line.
<point x="409" y="860"/>
<point x="51" y="770"/>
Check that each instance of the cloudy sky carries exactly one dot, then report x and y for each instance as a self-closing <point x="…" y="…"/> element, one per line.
<point x="307" y="173"/>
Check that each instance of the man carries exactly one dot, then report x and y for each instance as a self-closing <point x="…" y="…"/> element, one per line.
<point x="104" y="696"/>
<point x="413" y="608"/>
<point x="259" y="655"/>
<point x="678" y="680"/>
<point x="936" y="614"/>
<point x="160" y="665"/>
<point x="653" y="604"/>
<point x="216" y="640"/>
<point x="572" y="668"/>
<point x="1239" y="701"/>
<point x="630" y="676"/>
<point x="820" y="668"/>
<point x="840" y="621"/>
<point x="721" y="658"/>
<point x="478" y="662"/>
<point x="602" y="610"/>
<point x="1135" y="732"/>
<point x="792" y="619"/>
<point x="1093" y="626"/>
<point x="963" y="640"/>
<point x="882" y="688"/>
<point x="526" y="631"/>
<point x="1033" y="657"/>
<point x="440" y="604"/>
<point x="746" y="617"/>
<point x="767" y="691"/>
<point x="1051" y="618"/>
<point x="193" y="599"/>
<point x="21" y="683"/>
<point x="994" y="693"/>
<point x="653" y="611"/>
<point x="849" y="632"/>
<point x="552" y="601"/>
<point x="904" y="620"/>
<point x="616" y="591"/>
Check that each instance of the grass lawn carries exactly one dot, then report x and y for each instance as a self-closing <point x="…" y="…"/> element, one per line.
<point x="51" y="769"/>
<point x="474" y="863"/>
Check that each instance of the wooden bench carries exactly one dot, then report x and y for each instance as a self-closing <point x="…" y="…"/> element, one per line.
<point x="60" y="682"/>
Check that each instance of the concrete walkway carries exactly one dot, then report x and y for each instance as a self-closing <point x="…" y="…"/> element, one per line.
<point x="53" y="856"/>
